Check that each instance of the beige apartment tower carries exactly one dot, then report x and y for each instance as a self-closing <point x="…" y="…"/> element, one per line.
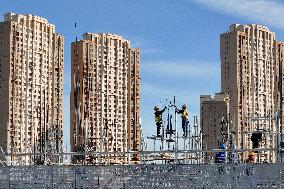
<point x="279" y="63"/>
<point x="250" y="75"/>
<point x="31" y="86"/>
<point x="105" y="96"/>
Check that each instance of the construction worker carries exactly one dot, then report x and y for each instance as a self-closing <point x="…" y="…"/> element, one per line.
<point x="221" y="156"/>
<point x="250" y="158"/>
<point x="158" y="118"/>
<point x="184" y="118"/>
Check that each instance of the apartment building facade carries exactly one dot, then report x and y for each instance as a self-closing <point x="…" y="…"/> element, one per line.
<point x="279" y="63"/>
<point x="249" y="75"/>
<point x="31" y="88"/>
<point x="214" y="111"/>
<point x="105" y="96"/>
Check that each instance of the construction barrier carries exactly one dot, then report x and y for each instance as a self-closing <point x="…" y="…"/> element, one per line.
<point x="144" y="176"/>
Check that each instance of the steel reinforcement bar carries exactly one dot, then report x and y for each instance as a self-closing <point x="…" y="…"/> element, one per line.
<point x="144" y="176"/>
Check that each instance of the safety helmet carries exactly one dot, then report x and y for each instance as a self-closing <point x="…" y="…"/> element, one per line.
<point x="251" y="154"/>
<point x="222" y="146"/>
<point x="184" y="106"/>
<point x="156" y="108"/>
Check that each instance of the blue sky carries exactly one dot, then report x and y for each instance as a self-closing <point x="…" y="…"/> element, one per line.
<point x="179" y="40"/>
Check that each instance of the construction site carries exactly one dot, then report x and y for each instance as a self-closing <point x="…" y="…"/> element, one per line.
<point x="171" y="158"/>
<point x="235" y="142"/>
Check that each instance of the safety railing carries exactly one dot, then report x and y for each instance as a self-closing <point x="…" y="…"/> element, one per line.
<point x="144" y="176"/>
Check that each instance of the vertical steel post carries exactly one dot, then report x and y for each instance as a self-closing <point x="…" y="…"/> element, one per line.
<point x="175" y="131"/>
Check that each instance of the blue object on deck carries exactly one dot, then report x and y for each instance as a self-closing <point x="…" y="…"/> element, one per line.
<point x="220" y="157"/>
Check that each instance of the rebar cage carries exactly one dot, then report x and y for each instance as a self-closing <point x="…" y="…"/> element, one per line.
<point x="144" y="176"/>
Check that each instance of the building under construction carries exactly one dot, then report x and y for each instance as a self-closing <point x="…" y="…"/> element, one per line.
<point x="31" y="87"/>
<point x="105" y="97"/>
<point x="252" y="77"/>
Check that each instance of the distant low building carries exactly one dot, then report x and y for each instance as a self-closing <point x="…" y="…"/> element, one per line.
<point x="213" y="115"/>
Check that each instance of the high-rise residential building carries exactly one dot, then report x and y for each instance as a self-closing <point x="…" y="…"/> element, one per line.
<point x="105" y="96"/>
<point x="249" y="76"/>
<point x="31" y="87"/>
<point x="279" y="63"/>
<point x="214" y="111"/>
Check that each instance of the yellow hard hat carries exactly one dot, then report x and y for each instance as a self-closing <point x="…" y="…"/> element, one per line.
<point x="251" y="154"/>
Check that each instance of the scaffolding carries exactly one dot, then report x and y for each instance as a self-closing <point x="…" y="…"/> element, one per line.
<point x="171" y="141"/>
<point x="170" y="147"/>
<point x="268" y="129"/>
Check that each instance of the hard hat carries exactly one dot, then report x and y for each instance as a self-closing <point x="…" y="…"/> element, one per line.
<point x="156" y="108"/>
<point x="251" y="154"/>
<point x="184" y="106"/>
<point x="222" y="146"/>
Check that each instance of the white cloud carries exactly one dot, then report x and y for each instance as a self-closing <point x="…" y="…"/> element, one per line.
<point x="184" y="79"/>
<point x="154" y="94"/>
<point x="181" y="68"/>
<point x="154" y="90"/>
<point x="150" y="50"/>
<point x="261" y="11"/>
<point x="147" y="48"/>
<point x="189" y="79"/>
